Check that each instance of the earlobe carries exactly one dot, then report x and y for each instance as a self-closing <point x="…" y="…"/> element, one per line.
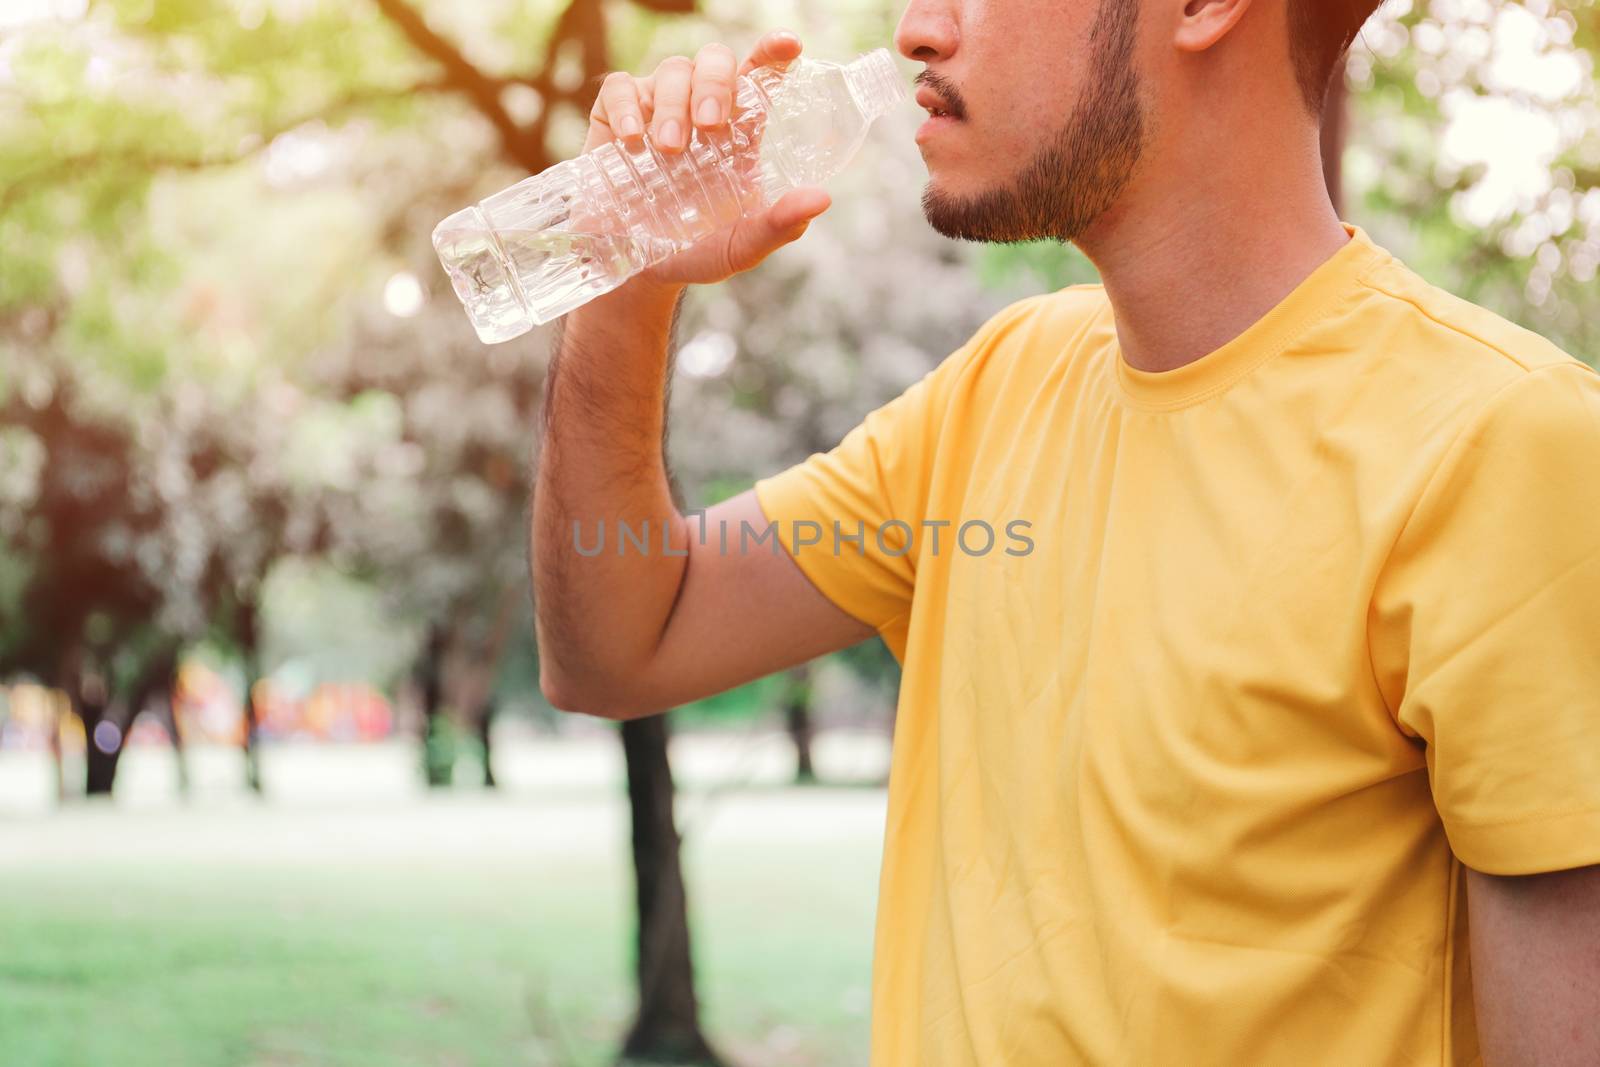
<point x="1205" y="22"/>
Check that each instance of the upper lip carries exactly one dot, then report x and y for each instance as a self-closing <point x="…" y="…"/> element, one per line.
<point x="932" y="101"/>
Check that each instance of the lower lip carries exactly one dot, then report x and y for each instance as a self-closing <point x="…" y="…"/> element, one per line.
<point x="934" y="124"/>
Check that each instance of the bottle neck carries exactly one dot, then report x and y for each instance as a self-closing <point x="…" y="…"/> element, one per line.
<point x="875" y="84"/>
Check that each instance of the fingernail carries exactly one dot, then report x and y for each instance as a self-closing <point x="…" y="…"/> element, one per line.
<point x="709" y="112"/>
<point x="668" y="134"/>
<point x="630" y="127"/>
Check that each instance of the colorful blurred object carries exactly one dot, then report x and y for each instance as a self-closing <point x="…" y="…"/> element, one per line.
<point x="206" y="707"/>
<point x="209" y="709"/>
<point x="333" y="711"/>
<point x="30" y="713"/>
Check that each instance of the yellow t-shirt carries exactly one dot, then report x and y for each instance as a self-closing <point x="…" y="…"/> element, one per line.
<point x="1261" y="650"/>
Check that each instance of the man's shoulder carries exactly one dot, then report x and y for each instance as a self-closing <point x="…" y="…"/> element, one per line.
<point x="1443" y="372"/>
<point x="1045" y="324"/>
<point x="1439" y="334"/>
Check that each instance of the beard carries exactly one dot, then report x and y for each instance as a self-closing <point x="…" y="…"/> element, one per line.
<point x="1081" y="170"/>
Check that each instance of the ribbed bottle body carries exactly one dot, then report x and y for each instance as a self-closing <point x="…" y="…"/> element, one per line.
<point x="638" y="205"/>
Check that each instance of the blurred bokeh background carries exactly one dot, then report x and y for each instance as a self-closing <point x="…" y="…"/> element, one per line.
<point x="277" y="785"/>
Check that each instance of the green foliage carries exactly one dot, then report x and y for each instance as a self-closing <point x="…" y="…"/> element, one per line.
<point x="739" y="705"/>
<point x="1475" y="155"/>
<point x="1049" y="265"/>
<point x="201" y="203"/>
<point x="718" y="489"/>
<point x="331" y="627"/>
<point x="873" y="662"/>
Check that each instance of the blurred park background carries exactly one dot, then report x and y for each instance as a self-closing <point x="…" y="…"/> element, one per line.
<point x="277" y="785"/>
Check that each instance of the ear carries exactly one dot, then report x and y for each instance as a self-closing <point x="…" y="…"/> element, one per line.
<point x="1205" y="22"/>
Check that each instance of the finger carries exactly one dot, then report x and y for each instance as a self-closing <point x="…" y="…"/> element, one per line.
<point x="798" y="206"/>
<point x="786" y="221"/>
<point x="669" y="126"/>
<point x="617" y="107"/>
<point x="774" y="49"/>
<point x="711" y="92"/>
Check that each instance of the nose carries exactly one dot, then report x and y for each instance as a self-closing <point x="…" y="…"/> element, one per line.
<point x="927" y="31"/>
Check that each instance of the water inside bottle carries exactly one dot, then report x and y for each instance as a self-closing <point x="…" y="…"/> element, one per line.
<point x="473" y="261"/>
<point x="489" y="272"/>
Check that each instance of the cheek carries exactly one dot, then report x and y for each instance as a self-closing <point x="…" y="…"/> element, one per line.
<point x="1020" y="75"/>
<point x="1013" y="127"/>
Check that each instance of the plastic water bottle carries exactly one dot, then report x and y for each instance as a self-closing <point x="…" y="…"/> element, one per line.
<point x="581" y="228"/>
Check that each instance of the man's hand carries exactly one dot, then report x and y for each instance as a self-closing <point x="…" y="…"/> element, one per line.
<point x="684" y="93"/>
<point x="1536" y="967"/>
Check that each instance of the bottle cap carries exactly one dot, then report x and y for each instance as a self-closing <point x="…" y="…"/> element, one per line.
<point x="875" y="83"/>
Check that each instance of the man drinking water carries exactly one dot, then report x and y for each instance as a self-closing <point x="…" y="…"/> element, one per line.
<point x="1282" y="744"/>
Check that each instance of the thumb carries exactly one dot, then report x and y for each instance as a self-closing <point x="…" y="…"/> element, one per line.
<point x="797" y="206"/>
<point x="780" y="224"/>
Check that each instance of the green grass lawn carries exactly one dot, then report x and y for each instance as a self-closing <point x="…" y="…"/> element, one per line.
<point x="465" y="929"/>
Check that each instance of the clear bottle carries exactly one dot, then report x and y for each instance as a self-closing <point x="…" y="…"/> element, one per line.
<point x="564" y="236"/>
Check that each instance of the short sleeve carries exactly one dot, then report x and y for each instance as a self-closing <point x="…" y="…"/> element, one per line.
<point x="847" y="516"/>
<point x="1486" y="627"/>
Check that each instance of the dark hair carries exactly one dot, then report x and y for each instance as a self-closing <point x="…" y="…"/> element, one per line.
<point x="1320" y="31"/>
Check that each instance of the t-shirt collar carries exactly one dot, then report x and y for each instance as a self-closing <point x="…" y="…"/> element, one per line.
<point x="1266" y="337"/>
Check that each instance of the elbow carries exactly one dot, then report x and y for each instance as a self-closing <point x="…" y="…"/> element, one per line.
<point x="581" y="696"/>
<point x="564" y="693"/>
<point x="566" y="686"/>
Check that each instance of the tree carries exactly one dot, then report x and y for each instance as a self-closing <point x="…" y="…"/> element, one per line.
<point x="666" y="1028"/>
<point x="83" y="175"/>
<point x="1475" y="155"/>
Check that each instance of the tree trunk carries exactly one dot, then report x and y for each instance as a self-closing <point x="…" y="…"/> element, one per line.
<point x="89" y="697"/>
<point x="56" y="720"/>
<point x="102" y="746"/>
<point x="485" y="719"/>
<point x="667" y="1029"/>
<point x="167" y="713"/>
<point x="252" y="736"/>
<point x="249" y="634"/>
<point x="1335" y="132"/>
<point x="107" y="722"/>
<point x="479" y="652"/>
<point x="438" y="738"/>
<point x="797" y="716"/>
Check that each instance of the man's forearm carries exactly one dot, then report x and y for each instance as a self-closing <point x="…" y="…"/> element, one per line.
<point x="601" y="608"/>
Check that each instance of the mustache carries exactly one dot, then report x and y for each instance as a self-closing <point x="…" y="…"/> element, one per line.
<point x="946" y="90"/>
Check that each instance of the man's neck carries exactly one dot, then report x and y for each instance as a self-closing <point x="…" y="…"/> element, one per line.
<point x="1187" y="274"/>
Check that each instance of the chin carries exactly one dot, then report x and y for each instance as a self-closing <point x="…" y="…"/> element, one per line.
<point x="942" y="188"/>
<point x="946" y="211"/>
